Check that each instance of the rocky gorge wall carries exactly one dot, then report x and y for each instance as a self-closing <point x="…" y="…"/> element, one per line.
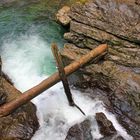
<point x="117" y="75"/>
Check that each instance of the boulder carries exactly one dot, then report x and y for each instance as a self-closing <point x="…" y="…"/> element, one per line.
<point x="21" y="125"/>
<point x="62" y="15"/>
<point x="106" y="127"/>
<point x="23" y="122"/>
<point x="80" y="131"/>
<point x="83" y="130"/>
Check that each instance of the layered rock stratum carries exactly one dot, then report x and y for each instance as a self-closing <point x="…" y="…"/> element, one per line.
<point x="117" y="75"/>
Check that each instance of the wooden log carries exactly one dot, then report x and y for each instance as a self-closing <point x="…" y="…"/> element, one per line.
<point x="50" y="81"/>
<point x="62" y="75"/>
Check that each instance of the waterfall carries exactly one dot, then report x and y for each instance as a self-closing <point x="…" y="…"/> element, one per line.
<point x="27" y="60"/>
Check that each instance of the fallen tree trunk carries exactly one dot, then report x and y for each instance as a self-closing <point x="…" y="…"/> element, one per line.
<point x="50" y="81"/>
<point x="63" y="77"/>
<point x="62" y="74"/>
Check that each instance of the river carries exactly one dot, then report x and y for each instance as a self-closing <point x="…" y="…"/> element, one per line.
<point x="26" y="33"/>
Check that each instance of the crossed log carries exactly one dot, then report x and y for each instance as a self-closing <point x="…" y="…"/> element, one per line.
<point x="8" y="108"/>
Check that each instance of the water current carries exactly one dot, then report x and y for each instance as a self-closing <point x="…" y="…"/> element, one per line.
<point x="26" y="33"/>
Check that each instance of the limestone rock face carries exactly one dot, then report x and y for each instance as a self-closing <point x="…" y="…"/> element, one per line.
<point x="117" y="23"/>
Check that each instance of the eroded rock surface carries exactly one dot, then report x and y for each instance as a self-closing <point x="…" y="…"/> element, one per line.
<point x="80" y="131"/>
<point x="84" y="130"/>
<point x="22" y="123"/>
<point x="113" y="22"/>
<point x="116" y="23"/>
<point x="106" y="127"/>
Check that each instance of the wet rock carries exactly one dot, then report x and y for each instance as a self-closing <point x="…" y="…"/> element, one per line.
<point x="106" y="127"/>
<point x="83" y="130"/>
<point x="62" y="15"/>
<point x="121" y="86"/>
<point x="22" y="123"/>
<point x="80" y="131"/>
<point x="116" y="23"/>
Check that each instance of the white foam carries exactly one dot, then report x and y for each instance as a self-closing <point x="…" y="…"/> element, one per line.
<point x="23" y="61"/>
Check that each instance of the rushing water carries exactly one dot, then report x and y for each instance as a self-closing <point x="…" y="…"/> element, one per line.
<point x="25" y="49"/>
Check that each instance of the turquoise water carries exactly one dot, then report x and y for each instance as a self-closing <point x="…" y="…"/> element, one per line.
<point x="32" y="21"/>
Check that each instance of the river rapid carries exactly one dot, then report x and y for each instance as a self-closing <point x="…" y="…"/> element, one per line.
<point x="26" y="33"/>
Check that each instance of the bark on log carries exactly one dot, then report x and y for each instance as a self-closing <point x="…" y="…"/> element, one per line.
<point x="62" y="74"/>
<point x="63" y="77"/>
<point x="50" y="81"/>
